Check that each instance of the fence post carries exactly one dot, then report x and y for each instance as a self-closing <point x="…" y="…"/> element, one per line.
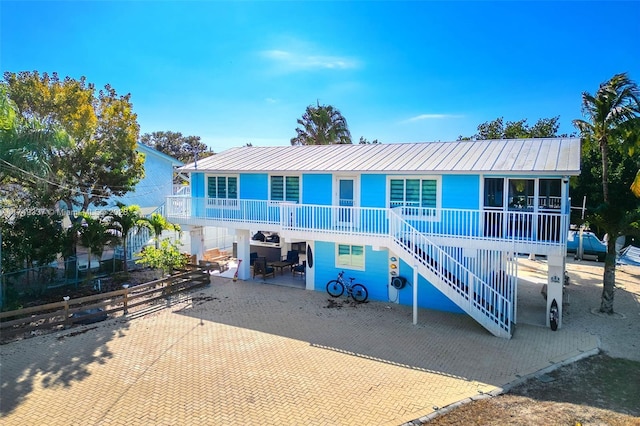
<point x="168" y="289"/>
<point x="126" y="297"/>
<point x="66" y="311"/>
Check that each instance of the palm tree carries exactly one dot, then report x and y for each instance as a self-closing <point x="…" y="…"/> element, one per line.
<point x="613" y="123"/>
<point x="27" y="145"/>
<point x="125" y="220"/>
<point x="322" y="125"/>
<point x="94" y="235"/>
<point x="157" y="223"/>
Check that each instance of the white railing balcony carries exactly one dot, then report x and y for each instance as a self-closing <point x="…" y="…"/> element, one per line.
<point x="543" y="228"/>
<point x="223" y="210"/>
<point x="518" y="226"/>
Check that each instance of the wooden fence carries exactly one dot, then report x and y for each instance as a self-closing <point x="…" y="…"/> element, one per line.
<point x="95" y="307"/>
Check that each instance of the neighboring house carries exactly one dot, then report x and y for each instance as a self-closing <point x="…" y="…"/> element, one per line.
<point x="157" y="182"/>
<point x="149" y="193"/>
<point x="447" y="217"/>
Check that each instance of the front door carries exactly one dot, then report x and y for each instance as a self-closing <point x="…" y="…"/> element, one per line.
<point x="346" y="200"/>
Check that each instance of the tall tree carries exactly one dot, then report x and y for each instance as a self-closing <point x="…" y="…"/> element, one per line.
<point x="321" y="125"/>
<point x="101" y="160"/>
<point x="611" y="132"/>
<point x="498" y="129"/>
<point x="184" y="148"/>
<point x="26" y="147"/>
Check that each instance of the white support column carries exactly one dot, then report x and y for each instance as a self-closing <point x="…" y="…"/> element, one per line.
<point x="196" y="235"/>
<point x="310" y="275"/>
<point x="285" y="246"/>
<point x="555" y="283"/>
<point x="415" y="294"/>
<point x="243" y="249"/>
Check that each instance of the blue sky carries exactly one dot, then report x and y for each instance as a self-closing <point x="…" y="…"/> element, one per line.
<point x="239" y="72"/>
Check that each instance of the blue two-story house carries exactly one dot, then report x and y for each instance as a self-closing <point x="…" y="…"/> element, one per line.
<point x="446" y="218"/>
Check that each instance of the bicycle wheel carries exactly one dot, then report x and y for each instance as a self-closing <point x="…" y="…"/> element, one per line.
<point x="359" y="293"/>
<point x="335" y="288"/>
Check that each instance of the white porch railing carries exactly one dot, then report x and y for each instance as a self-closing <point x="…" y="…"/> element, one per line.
<point x="534" y="228"/>
<point x="542" y="227"/>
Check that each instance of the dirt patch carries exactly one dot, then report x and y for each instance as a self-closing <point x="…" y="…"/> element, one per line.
<point x="75" y="333"/>
<point x="340" y="303"/>
<point x="595" y="391"/>
<point x="199" y="300"/>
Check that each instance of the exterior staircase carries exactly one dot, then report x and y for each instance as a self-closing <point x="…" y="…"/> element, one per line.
<point x="489" y="300"/>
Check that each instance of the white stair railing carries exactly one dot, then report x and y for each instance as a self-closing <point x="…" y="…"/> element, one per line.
<point x="467" y="290"/>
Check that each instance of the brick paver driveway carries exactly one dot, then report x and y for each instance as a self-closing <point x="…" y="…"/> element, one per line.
<point x="255" y="354"/>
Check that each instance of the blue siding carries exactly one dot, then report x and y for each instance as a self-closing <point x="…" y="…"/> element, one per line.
<point x="197" y="191"/>
<point x="317" y="189"/>
<point x="373" y="190"/>
<point x="460" y="192"/>
<point x="154" y="187"/>
<point x="197" y="185"/>
<point x="254" y="186"/>
<point x="376" y="278"/>
<point x="324" y="264"/>
<point x="373" y="278"/>
<point x="429" y="297"/>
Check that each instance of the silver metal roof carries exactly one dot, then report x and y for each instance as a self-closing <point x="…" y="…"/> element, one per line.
<point x="509" y="156"/>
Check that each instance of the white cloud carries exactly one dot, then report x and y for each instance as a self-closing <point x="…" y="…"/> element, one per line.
<point x="271" y="100"/>
<point x="422" y="117"/>
<point x="295" y="61"/>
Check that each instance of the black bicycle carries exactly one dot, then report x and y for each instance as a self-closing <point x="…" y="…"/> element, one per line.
<point x="336" y="287"/>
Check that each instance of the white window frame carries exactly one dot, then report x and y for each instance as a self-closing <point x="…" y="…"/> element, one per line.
<point x="231" y="203"/>
<point x="418" y="212"/>
<point x="350" y="264"/>
<point x="534" y="199"/>
<point x="284" y="189"/>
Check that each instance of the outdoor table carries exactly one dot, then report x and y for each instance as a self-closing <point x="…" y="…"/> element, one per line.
<point x="281" y="264"/>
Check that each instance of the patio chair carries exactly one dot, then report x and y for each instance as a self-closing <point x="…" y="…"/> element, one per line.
<point x="299" y="269"/>
<point x="260" y="267"/>
<point x="252" y="258"/>
<point x="292" y="257"/>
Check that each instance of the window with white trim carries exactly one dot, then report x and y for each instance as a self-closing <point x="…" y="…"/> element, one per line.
<point x="220" y="189"/>
<point x="348" y="256"/>
<point x="419" y="196"/>
<point x="285" y="188"/>
<point x="521" y="194"/>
